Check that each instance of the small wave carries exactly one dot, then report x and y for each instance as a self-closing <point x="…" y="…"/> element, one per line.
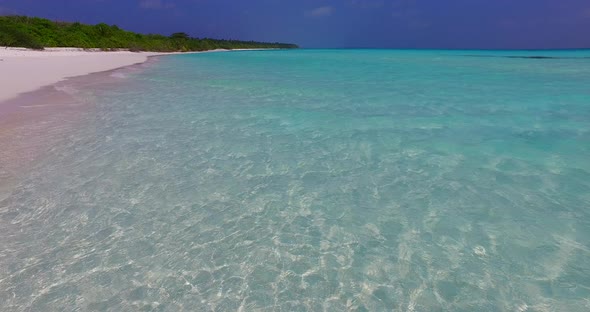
<point x="119" y="75"/>
<point x="67" y="89"/>
<point x="33" y="106"/>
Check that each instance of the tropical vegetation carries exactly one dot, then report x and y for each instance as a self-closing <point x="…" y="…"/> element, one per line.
<point x="39" y="33"/>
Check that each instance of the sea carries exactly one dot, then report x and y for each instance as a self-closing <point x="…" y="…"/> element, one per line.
<point x="304" y="180"/>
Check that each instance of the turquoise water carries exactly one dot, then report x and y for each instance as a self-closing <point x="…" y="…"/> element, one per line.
<point x="313" y="180"/>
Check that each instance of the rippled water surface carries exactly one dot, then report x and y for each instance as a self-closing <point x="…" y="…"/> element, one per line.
<point x="312" y="181"/>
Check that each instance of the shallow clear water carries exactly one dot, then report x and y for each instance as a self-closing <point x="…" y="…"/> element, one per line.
<point x="313" y="180"/>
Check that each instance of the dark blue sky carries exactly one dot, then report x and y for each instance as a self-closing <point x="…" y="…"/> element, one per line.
<point x="341" y="23"/>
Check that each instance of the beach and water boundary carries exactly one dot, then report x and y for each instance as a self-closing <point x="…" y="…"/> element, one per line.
<point x="28" y="100"/>
<point x="39" y="92"/>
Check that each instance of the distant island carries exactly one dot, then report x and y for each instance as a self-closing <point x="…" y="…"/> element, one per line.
<point x="39" y="33"/>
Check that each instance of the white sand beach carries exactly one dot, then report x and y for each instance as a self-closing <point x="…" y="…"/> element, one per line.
<point x="24" y="70"/>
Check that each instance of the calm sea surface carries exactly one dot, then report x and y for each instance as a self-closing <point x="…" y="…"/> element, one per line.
<point x="312" y="180"/>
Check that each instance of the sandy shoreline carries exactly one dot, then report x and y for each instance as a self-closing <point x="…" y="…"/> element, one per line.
<point x="35" y="113"/>
<point x="24" y="70"/>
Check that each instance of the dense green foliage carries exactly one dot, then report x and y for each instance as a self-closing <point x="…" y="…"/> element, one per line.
<point x="37" y="33"/>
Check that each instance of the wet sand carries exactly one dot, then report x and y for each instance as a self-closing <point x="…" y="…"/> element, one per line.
<point x="24" y="70"/>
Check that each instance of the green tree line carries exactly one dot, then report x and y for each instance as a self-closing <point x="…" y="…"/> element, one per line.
<point x="39" y="33"/>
